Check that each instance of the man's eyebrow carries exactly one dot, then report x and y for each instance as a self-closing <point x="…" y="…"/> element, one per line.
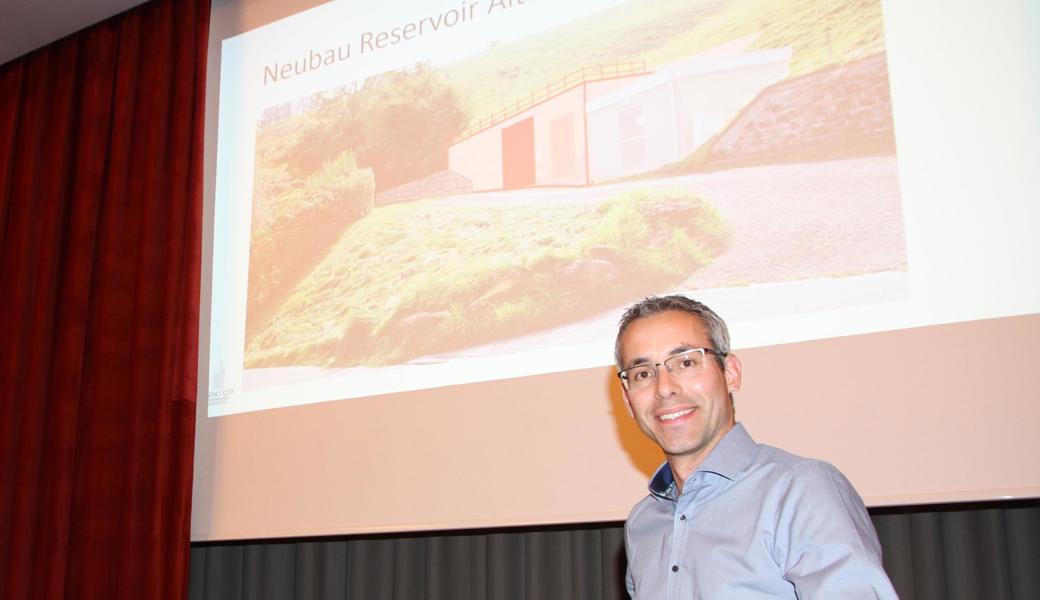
<point x="642" y="360"/>
<point x="681" y="348"/>
<point x="639" y="360"/>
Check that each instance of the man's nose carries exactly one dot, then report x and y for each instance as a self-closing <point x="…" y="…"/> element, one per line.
<point x="666" y="382"/>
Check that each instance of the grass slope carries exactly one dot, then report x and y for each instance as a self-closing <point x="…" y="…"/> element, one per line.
<point x="427" y="277"/>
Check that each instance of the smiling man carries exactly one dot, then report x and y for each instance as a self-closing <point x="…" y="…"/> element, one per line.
<point x="727" y="517"/>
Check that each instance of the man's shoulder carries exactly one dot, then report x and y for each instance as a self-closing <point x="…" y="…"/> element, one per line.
<point x="739" y="455"/>
<point x="786" y="470"/>
<point x="782" y="460"/>
<point x="798" y="478"/>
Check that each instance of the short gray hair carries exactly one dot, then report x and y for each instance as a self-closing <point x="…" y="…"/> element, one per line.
<point x="718" y="334"/>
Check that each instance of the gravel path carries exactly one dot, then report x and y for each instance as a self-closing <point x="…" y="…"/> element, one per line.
<point x="790" y="222"/>
<point x="787" y="222"/>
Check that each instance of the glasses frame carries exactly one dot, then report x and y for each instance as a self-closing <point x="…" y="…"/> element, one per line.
<point x="704" y="352"/>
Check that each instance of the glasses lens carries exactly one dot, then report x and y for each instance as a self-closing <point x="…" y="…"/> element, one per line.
<point x="687" y="363"/>
<point x="640" y="377"/>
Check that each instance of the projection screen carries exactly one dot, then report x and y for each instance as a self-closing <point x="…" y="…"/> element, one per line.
<point x="425" y="218"/>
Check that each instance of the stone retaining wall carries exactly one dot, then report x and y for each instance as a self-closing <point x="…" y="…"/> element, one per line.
<point x="442" y="183"/>
<point x="837" y="112"/>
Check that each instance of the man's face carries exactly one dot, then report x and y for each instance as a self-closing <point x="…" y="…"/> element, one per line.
<point x="685" y="417"/>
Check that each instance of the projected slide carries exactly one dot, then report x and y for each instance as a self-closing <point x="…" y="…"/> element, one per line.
<point x="425" y="193"/>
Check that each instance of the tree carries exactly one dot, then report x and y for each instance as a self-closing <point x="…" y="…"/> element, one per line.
<point x="408" y="120"/>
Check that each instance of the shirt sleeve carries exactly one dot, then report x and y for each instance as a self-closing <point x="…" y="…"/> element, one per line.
<point x="825" y="543"/>
<point x="630" y="583"/>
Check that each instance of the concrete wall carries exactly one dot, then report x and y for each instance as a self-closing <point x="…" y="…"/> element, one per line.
<point x="678" y="111"/>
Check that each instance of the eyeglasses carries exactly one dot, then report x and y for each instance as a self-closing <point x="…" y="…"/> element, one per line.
<point x="683" y="365"/>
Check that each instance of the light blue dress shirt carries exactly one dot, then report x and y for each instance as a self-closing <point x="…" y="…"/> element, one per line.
<point x="753" y="521"/>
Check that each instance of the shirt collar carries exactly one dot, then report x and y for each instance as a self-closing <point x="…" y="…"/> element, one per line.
<point x="731" y="456"/>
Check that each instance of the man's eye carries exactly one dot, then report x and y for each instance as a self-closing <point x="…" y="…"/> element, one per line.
<point x="640" y="374"/>
<point x="683" y="364"/>
<point x="687" y="362"/>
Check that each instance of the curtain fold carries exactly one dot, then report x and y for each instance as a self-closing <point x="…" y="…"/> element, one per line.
<point x="931" y="553"/>
<point x="100" y="222"/>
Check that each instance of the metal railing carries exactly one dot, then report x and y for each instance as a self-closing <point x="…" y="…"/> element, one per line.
<point x="565" y="84"/>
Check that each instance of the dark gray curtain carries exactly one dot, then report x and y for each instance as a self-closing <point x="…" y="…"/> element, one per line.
<point x="989" y="552"/>
<point x="985" y="551"/>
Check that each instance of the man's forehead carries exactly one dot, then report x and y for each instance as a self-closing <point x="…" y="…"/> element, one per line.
<point x="662" y="333"/>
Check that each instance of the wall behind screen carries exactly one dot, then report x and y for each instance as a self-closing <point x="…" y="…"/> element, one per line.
<point x="929" y="414"/>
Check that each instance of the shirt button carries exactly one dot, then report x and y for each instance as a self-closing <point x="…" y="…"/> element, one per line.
<point x="675" y="568"/>
<point x="682" y="517"/>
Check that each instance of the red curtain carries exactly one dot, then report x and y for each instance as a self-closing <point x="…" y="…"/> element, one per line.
<point x="100" y="217"/>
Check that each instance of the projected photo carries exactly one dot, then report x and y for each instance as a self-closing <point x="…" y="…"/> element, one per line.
<point x="520" y="171"/>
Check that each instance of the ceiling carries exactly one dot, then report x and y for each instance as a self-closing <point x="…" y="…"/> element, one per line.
<point x="26" y="25"/>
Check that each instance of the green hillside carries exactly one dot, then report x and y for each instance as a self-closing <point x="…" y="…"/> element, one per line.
<point x="821" y="32"/>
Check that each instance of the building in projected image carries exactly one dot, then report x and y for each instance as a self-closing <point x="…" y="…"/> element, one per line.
<point x="611" y="121"/>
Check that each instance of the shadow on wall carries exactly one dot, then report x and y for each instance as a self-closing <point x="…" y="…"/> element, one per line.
<point x="644" y="454"/>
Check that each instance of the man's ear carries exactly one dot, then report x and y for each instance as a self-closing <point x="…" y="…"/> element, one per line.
<point x="733" y="372"/>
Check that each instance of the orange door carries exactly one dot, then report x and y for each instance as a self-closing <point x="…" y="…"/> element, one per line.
<point x="518" y="154"/>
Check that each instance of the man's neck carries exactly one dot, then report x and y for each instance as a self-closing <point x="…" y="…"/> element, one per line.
<point x="683" y="465"/>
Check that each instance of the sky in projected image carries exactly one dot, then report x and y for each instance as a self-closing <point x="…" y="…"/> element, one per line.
<point x="423" y="194"/>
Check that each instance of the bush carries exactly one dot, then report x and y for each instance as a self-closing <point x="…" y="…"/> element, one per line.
<point x="299" y="225"/>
